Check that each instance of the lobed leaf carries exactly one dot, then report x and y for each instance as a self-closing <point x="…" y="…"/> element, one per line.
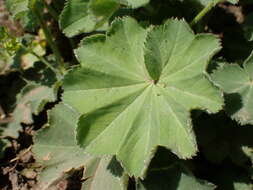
<point x="55" y="148"/>
<point x="21" y="11"/>
<point x="135" y="90"/>
<point x="17" y="6"/>
<point x="31" y="100"/>
<point x="80" y="16"/>
<point x="236" y="82"/>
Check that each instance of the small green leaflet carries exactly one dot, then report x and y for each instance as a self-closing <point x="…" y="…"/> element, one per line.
<point x="56" y="150"/>
<point x="174" y="178"/>
<point x="236" y="82"/>
<point x="79" y="16"/>
<point x="135" y="89"/>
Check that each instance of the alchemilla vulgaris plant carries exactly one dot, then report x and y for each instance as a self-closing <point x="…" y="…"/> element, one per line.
<point x="127" y="95"/>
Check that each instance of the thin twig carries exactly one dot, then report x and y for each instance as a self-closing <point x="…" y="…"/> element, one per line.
<point x="22" y="154"/>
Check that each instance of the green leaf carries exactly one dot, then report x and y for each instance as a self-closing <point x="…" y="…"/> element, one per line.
<point x="28" y="20"/>
<point x="12" y="130"/>
<point x="206" y="2"/>
<point x="174" y="178"/>
<point x="134" y="3"/>
<point x="233" y="1"/>
<point x="105" y="174"/>
<point x="31" y="100"/>
<point x="80" y="16"/>
<point x="17" y="6"/>
<point x="25" y="59"/>
<point x="5" y="62"/>
<point x="248" y="27"/>
<point x="128" y="112"/>
<point x="233" y="178"/>
<point x="55" y="148"/>
<point x="236" y="82"/>
<point x="20" y="11"/>
<point x="4" y="143"/>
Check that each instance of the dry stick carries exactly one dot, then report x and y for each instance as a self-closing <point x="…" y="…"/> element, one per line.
<point x="22" y="154"/>
<point x="204" y="11"/>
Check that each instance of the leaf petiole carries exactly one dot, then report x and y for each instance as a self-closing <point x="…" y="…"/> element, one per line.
<point x="49" y="39"/>
<point x="43" y="60"/>
<point x="51" y="11"/>
<point x="204" y="11"/>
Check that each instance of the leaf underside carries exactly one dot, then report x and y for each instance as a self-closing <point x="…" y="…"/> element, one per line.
<point x="135" y="89"/>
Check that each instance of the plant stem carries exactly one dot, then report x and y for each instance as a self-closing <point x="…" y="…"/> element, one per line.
<point x="204" y="11"/>
<point x="51" y="11"/>
<point x="49" y="39"/>
<point x="55" y="16"/>
<point x="43" y="60"/>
